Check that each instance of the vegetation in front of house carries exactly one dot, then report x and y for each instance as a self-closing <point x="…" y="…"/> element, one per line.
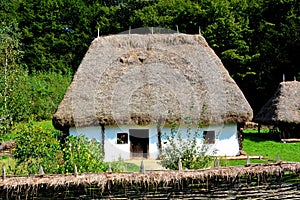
<point x="36" y="146"/>
<point x="183" y="149"/>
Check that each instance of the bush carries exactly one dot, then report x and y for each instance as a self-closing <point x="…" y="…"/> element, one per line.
<point x="86" y="155"/>
<point x="192" y="155"/>
<point x="37" y="146"/>
<point x="47" y="90"/>
<point x="34" y="96"/>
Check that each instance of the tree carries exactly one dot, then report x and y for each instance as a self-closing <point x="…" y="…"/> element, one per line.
<point x="9" y="55"/>
<point x="56" y="34"/>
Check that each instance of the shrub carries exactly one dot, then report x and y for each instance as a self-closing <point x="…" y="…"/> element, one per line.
<point x="86" y="155"/>
<point x="37" y="146"/>
<point x="47" y="90"/>
<point x="192" y="155"/>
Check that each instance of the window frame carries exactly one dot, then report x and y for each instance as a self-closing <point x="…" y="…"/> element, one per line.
<point x="209" y="140"/>
<point x="122" y="138"/>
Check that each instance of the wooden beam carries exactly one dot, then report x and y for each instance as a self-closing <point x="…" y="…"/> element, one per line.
<point x="240" y="157"/>
<point x="290" y="140"/>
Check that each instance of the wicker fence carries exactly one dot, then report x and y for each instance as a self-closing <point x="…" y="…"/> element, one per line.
<point x="271" y="181"/>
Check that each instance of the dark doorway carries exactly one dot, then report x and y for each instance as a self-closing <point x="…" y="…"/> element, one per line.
<point x="139" y="143"/>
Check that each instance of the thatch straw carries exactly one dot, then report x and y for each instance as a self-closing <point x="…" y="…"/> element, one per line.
<point x="283" y="107"/>
<point x="142" y="79"/>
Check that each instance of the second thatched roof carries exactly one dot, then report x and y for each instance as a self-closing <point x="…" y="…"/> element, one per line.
<point x="154" y="78"/>
<point x="283" y="107"/>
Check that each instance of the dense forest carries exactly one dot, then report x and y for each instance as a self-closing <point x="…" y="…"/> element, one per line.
<point x="43" y="42"/>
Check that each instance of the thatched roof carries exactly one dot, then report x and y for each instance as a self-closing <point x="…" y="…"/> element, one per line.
<point x="283" y="107"/>
<point x="142" y="79"/>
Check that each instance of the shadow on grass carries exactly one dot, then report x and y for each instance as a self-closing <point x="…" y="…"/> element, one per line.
<point x="261" y="137"/>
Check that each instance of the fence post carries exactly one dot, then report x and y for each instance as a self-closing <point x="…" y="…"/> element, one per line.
<point x="216" y="162"/>
<point x="75" y="171"/>
<point x="179" y="165"/>
<point x="248" y="163"/>
<point x="142" y="167"/>
<point x="109" y="168"/>
<point x="41" y="170"/>
<point x="3" y="173"/>
<point x="277" y="158"/>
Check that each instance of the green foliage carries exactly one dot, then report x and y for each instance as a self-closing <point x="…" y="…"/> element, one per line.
<point x="9" y="71"/>
<point x="9" y="164"/>
<point x="36" y="96"/>
<point x="47" y="91"/>
<point x="185" y="148"/>
<point x="86" y="155"/>
<point x="56" y="33"/>
<point x="118" y="166"/>
<point x="37" y="146"/>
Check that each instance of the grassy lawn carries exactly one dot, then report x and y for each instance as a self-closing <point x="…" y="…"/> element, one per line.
<point x="262" y="144"/>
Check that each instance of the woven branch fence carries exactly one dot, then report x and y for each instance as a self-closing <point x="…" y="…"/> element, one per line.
<point x="268" y="181"/>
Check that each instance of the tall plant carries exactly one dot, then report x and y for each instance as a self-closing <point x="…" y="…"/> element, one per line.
<point x="186" y="148"/>
<point x="9" y="54"/>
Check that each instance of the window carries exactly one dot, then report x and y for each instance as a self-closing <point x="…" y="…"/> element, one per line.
<point x="209" y="137"/>
<point x="122" y="138"/>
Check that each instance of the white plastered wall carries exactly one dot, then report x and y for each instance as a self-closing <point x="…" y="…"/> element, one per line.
<point x="226" y="140"/>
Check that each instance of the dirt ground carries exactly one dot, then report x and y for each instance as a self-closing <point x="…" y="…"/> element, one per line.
<point x="149" y="164"/>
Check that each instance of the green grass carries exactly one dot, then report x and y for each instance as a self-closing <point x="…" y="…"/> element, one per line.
<point x="263" y="144"/>
<point x="9" y="163"/>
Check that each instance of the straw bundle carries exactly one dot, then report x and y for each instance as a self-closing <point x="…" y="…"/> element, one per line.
<point x="154" y="178"/>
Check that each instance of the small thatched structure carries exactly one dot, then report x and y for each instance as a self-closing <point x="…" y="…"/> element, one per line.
<point x="141" y="79"/>
<point x="277" y="180"/>
<point x="283" y="109"/>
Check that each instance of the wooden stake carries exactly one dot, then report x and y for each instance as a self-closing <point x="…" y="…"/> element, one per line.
<point x="3" y="172"/>
<point x="277" y="158"/>
<point x="109" y="168"/>
<point x="216" y="162"/>
<point x="142" y="167"/>
<point x="179" y="165"/>
<point x="41" y="170"/>
<point x="75" y="171"/>
<point x="248" y="163"/>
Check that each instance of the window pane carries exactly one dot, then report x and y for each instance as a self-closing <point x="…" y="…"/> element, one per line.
<point x="122" y="138"/>
<point x="209" y="137"/>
